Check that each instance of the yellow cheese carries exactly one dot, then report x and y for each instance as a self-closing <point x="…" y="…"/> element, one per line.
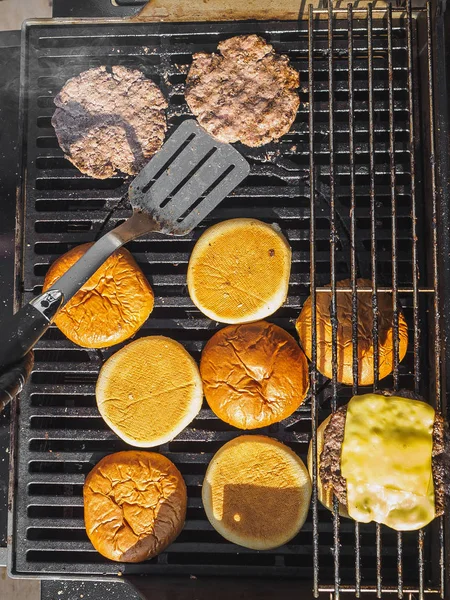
<point x="386" y="461"/>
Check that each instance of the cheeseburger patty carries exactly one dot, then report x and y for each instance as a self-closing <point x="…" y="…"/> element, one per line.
<point x="110" y="121"/>
<point x="330" y="459"/>
<point x="246" y="92"/>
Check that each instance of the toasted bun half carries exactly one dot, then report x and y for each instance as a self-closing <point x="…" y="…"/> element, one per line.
<point x="134" y="505"/>
<point x="113" y="304"/>
<point x="256" y="492"/>
<point x="344" y="334"/>
<point x="149" y="391"/>
<point x="254" y="374"/>
<point x="239" y="271"/>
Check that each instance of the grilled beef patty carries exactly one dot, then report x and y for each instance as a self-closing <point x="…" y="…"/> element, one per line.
<point x="245" y="93"/>
<point x="110" y="121"/>
<point x="330" y="458"/>
<point x="441" y="463"/>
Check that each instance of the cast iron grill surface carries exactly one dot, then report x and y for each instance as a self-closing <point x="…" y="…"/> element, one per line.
<point x="346" y="185"/>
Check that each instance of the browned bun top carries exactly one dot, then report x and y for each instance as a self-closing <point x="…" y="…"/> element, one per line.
<point x="344" y="334"/>
<point x="254" y="374"/>
<point x="134" y="505"/>
<point x="113" y="304"/>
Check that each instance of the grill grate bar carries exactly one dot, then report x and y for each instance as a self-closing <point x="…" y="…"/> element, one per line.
<point x="393" y="199"/>
<point x="379" y="561"/>
<point x="394" y="258"/>
<point x="312" y="249"/>
<point x="437" y="338"/>
<point x="333" y="307"/>
<point x="373" y="239"/>
<point x="371" y="589"/>
<point x="420" y="542"/>
<point x="353" y="259"/>
<point x="412" y="143"/>
<point x="400" y="564"/>
<point x="373" y="252"/>
<point x="434" y="225"/>
<point x="442" y="558"/>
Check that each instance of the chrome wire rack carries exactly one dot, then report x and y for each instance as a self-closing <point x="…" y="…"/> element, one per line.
<point x="354" y="188"/>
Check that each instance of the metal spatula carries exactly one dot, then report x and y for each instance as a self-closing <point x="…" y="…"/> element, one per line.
<point x="182" y="183"/>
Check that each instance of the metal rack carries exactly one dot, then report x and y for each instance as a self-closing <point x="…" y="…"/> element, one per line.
<point x="417" y="297"/>
<point x="353" y="186"/>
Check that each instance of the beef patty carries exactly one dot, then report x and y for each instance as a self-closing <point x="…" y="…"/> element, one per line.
<point x="245" y="93"/>
<point x="330" y="458"/>
<point x="110" y="121"/>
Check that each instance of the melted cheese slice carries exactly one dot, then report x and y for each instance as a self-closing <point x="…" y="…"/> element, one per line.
<point x="386" y="461"/>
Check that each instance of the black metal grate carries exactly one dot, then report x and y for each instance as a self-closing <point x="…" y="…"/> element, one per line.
<point x="346" y="185"/>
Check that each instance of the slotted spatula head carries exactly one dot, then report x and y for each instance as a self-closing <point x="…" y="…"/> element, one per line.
<point x="187" y="179"/>
<point x="182" y="183"/>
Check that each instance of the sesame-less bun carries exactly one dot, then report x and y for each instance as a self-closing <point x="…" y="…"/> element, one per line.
<point x="110" y="307"/>
<point x="344" y="334"/>
<point x="149" y="391"/>
<point x="256" y="492"/>
<point x="254" y="374"/>
<point x="134" y="505"/>
<point x="239" y="271"/>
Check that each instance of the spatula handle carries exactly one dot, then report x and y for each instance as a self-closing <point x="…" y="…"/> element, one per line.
<point x="19" y="333"/>
<point x="13" y="379"/>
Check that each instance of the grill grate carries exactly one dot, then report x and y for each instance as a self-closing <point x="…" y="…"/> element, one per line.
<point x="347" y="188"/>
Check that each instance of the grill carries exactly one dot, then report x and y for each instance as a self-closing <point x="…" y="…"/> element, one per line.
<point x="354" y="188"/>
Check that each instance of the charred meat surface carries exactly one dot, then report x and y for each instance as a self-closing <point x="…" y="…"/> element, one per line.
<point x="441" y="463"/>
<point x="246" y="92"/>
<point x="330" y="459"/>
<point x="109" y="121"/>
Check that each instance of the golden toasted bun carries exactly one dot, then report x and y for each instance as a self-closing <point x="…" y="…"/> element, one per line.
<point x="239" y="271"/>
<point x="254" y="374"/>
<point x="325" y="495"/>
<point x="113" y="304"/>
<point x="149" y="391"/>
<point x="256" y="492"/>
<point x="134" y="505"/>
<point x="344" y="334"/>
